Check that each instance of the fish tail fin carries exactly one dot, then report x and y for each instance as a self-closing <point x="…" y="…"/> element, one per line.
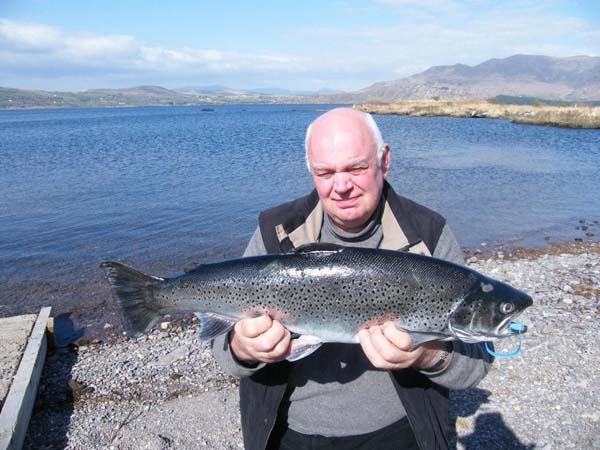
<point x="134" y="293"/>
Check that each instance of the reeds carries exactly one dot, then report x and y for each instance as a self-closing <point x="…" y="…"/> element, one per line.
<point x="558" y="116"/>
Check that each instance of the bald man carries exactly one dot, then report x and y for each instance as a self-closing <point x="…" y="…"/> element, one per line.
<point x="380" y="394"/>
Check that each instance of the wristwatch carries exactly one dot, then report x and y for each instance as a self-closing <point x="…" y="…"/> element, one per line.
<point x="442" y="358"/>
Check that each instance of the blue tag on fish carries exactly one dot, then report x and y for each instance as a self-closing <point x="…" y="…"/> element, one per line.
<point x="518" y="328"/>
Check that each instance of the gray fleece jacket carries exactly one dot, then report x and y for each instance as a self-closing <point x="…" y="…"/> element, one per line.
<point x="336" y="391"/>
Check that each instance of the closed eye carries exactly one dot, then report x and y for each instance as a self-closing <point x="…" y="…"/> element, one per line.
<point x="324" y="174"/>
<point x="357" y="170"/>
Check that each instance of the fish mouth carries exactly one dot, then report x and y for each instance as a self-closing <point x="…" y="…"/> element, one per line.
<point x="508" y="327"/>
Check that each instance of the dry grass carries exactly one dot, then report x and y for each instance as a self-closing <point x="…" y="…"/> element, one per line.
<point x="558" y="116"/>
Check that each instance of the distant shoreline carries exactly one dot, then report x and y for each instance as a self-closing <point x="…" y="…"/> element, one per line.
<point x="161" y="105"/>
<point x="582" y="117"/>
<point x="587" y="117"/>
<point x="158" y="105"/>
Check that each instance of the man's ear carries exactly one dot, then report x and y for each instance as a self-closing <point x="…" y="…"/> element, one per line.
<point x="386" y="159"/>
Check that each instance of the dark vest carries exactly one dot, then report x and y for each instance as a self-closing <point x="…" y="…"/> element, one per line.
<point x="426" y="403"/>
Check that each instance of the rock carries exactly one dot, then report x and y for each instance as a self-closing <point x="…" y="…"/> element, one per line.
<point x="593" y="416"/>
<point x="78" y="389"/>
<point x="164" y="326"/>
<point x="478" y="114"/>
<point x="175" y="355"/>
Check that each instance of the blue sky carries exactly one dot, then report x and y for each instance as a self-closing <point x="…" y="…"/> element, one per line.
<point x="348" y="45"/>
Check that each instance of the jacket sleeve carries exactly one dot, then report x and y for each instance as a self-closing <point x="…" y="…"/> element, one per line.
<point x="470" y="362"/>
<point x="220" y="345"/>
<point x="447" y="247"/>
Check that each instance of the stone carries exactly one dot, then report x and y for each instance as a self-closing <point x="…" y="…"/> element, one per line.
<point x="176" y="355"/>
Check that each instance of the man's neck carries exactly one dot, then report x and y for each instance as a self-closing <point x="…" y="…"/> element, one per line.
<point x="358" y="232"/>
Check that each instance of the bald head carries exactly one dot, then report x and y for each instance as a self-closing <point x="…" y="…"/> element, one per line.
<point x="349" y="163"/>
<point x="348" y="121"/>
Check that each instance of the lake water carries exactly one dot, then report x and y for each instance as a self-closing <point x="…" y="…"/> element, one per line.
<point x="163" y="187"/>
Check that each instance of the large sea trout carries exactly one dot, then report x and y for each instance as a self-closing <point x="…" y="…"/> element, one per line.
<point x="326" y="293"/>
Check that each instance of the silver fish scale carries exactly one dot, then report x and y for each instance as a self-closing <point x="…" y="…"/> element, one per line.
<point x="340" y="290"/>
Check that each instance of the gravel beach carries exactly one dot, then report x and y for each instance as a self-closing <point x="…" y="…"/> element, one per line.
<point x="164" y="390"/>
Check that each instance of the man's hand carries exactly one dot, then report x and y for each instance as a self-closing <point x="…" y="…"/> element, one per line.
<point x="388" y="348"/>
<point x="260" y="339"/>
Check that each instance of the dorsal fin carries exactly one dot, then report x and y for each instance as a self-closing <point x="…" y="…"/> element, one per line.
<point x="318" y="247"/>
<point x="191" y="268"/>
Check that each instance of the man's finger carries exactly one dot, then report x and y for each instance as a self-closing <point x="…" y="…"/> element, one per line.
<point x="253" y="327"/>
<point x="282" y="349"/>
<point x="267" y="341"/>
<point x="386" y="349"/>
<point x="371" y="353"/>
<point x="399" y="338"/>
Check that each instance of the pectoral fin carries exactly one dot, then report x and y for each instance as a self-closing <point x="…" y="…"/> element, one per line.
<point x="213" y="325"/>
<point x="303" y="346"/>
<point x="420" y="338"/>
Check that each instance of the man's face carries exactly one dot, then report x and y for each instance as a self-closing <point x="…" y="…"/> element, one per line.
<point x="346" y="172"/>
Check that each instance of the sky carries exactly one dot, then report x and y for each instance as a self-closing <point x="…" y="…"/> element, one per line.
<point x="73" y="45"/>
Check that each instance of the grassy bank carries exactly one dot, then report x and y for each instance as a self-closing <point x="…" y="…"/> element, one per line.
<point x="557" y="116"/>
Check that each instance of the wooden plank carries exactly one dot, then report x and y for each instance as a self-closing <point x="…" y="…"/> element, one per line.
<point x="16" y="412"/>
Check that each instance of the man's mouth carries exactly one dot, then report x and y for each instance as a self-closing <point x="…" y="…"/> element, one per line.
<point x="347" y="202"/>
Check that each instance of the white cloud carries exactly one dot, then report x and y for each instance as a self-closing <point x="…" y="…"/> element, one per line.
<point x="47" y="50"/>
<point x="156" y="58"/>
<point x="28" y="36"/>
<point x="418" y="35"/>
<point x="467" y="37"/>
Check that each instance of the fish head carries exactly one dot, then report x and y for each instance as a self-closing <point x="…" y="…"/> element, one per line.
<point x="487" y="311"/>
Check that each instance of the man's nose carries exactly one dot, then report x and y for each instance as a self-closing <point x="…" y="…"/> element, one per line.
<point x="342" y="182"/>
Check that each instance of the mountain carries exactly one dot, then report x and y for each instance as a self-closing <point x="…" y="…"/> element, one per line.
<point x="93" y="98"/>
<point x="150" y="96"/>
<point x="573" y="78"/>
<point x="135" y="96"/>
<point x="273" y="91"/>
<point x="209" y="88"/>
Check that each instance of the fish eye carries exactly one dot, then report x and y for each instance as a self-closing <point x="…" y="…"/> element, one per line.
<point x="507" y="308"/>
